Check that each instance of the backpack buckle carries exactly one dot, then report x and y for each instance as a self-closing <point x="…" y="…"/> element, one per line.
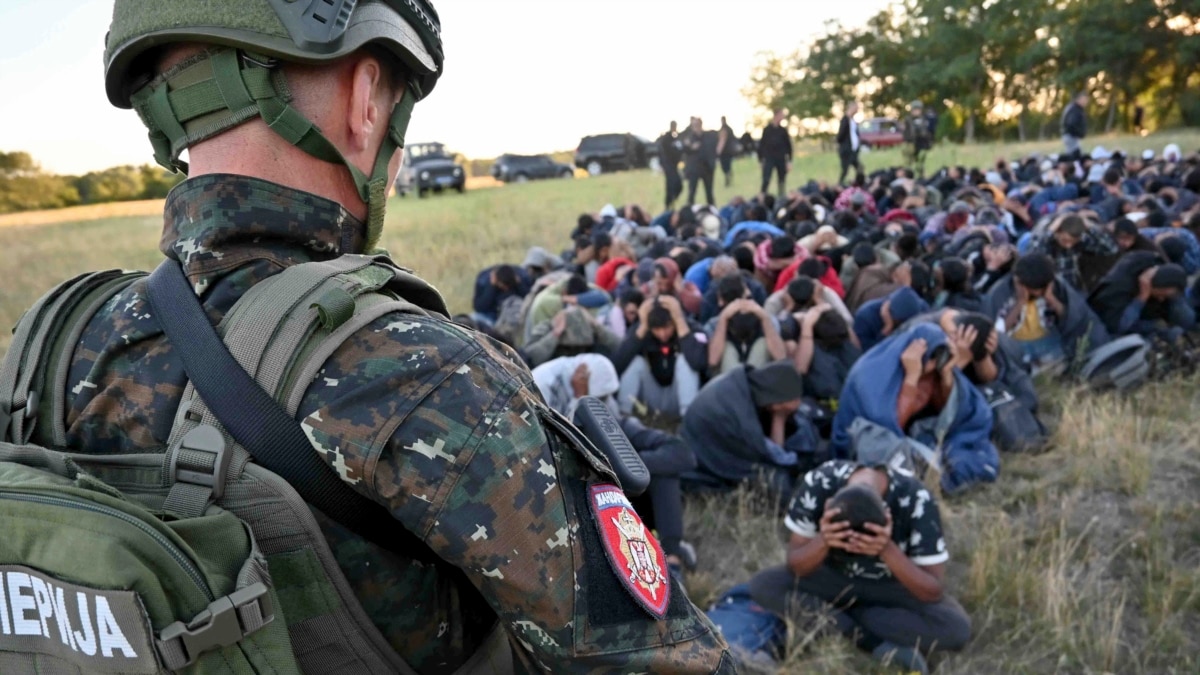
<point x="227" y="621"/>
<point x="203" y="459"/>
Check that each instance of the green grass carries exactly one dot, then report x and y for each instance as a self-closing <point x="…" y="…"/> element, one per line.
<point x="1085" y="559"/>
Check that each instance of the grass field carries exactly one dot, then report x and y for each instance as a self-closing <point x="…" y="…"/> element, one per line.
<point x="1082" y="560"/>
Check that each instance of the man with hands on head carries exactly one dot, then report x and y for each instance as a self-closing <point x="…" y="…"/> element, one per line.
<point x="866" y="543"/>
<point x="743" y="333"/>
<point x="661" y="360"/>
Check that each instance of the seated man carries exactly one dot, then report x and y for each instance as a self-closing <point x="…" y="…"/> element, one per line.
<point x="573" y="290"/>
<point x="1082" y="254"/>
<point x="743" y="426"/>
<point x="668" y="282"/>
<point x="867" y="544"/>
<point x="619" y="316"/>
<point x="660" y="362"/>
<point x="825" y="351"/>
<point x="564" y="381"/>
<point x="493" y="286"/>
<point x="804" y="293"/>
<point x="872" y="280"/>
<point x="571" y="332"/>
<point x="1049" y="319"/>
<point x="912" y="385"/>
<point x="954" y="278"/>
<point x="1144" y="296"/>
<point x="743" y="333"/>
<point x="773" y="256"/>
<point x="722" y="267"/>
<point x="996" y="367"/>
<point x="877" y="319"/>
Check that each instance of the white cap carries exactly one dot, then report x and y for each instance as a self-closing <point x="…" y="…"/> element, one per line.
<point x="609" y="211"/>
<point x="1172" y="153"/>
<point x="1147" y="155"/>
<point x="993" y="177"/>
<point x="1099" y="153"/>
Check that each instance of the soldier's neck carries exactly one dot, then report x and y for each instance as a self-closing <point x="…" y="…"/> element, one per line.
<point x="270" y="158"/>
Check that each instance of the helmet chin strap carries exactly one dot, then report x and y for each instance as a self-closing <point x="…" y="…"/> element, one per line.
<point x="217" y="90"/>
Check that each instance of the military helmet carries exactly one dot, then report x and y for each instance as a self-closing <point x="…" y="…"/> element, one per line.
<point x="302" y="31"/>
<point x="238" y="79"/>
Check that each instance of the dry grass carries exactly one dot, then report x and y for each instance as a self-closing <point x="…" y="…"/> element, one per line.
<point x="146" y="207"/>
<point x="1085" y="559"/>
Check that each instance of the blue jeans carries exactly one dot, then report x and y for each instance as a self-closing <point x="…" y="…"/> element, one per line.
<point x="1042" y="352"/>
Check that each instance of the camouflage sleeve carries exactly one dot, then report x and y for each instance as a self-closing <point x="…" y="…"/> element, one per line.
<point x="517" y="520"/>
<point x="446" y="431"/>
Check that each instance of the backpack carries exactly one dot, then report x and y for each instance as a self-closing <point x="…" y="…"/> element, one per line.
<point x="198" y="559"/>
<point x="1122" y="364"/>
<point x="1015" y="428"/>
<point x="755" y="635"/>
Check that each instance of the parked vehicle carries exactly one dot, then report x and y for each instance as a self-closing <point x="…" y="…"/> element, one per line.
<point x="522" y="168"/>
<point x="429" y="167"/>
<point x="615" y="152"/>
<point x="881" y="132"/>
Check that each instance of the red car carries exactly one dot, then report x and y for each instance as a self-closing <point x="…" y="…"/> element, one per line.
<point x="881" y="132"/>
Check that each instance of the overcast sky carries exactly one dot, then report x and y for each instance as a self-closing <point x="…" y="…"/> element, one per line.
<point x="521" y="75"/>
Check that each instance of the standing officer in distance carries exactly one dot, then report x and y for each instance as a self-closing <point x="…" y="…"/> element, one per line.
<point x="291" y="151"/>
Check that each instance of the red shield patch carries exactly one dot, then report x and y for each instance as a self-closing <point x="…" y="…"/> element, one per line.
<point x="635" y="554"/>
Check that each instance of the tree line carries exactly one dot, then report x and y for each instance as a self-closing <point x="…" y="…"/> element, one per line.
<point x="998" y="69"/>
<point x="25" y="186"/>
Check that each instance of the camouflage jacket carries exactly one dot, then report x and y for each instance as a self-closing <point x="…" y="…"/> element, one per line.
<point x="438" y="424"/>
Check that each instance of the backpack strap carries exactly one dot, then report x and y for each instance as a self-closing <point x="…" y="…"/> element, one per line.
<point x="232" y="400"/>
<point x="44" y="338"/>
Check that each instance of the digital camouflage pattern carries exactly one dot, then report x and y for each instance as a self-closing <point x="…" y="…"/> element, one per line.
<point x="437" y="423"/>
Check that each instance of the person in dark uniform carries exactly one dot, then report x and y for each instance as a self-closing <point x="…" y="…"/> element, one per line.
<point x="670" y="151"/>
<point x="775" y="152"/>
<point x="919" y="135"/>
<point x="849" y="143"/>
<point x="726" y="147"/>
<point x="699" y="159"/>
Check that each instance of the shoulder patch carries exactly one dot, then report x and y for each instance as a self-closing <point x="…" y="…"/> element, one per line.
<point x="635" y="555"/>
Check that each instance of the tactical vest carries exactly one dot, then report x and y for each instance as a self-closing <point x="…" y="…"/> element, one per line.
<point x="197" y="559"/>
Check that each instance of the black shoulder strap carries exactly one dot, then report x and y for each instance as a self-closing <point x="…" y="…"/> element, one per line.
<point x="258" y="423"/>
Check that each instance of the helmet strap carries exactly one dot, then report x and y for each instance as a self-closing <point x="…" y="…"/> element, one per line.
<point x="215" y="91"/>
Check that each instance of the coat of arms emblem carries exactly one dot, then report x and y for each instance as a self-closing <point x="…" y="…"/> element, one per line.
<point x="633" y="551"/>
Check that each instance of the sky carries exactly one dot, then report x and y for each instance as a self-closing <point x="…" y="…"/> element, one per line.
<point x="522" y="76"/>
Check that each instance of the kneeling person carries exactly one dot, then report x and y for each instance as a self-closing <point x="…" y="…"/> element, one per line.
<point x="867" y="543"/>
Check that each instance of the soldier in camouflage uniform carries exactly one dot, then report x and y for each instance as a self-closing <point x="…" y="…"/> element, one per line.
<point x="438" y="424"/>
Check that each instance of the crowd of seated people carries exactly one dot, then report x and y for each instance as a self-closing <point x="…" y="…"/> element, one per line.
<point x="855" y="351"/>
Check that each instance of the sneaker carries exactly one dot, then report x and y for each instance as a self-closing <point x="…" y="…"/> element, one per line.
<point x="907" y="658"/>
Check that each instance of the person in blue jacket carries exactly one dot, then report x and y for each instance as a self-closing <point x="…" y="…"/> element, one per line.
<point x="912" y="385"/>
<point x="877" y="319"/>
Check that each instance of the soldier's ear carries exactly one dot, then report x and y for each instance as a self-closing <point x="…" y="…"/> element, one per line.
<point x="366" y="115"/>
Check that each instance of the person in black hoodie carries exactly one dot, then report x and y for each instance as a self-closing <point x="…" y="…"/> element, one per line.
<point x="1074" y="124"/>
<point x="775" y="152"/>
<point x="699" y="159"/>
<point x="956" y="291"/>
<point x="660" y="361"/>
<point x="670" y="153"/>
<point x="1144" y="295"/>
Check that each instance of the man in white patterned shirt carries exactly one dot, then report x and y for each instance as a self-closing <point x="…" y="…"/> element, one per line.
<point x="881" y="582"/>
